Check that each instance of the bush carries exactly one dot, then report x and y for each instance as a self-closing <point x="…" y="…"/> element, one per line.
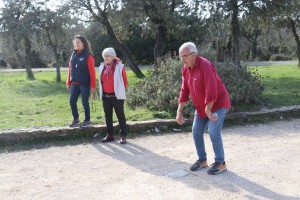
<point x="3" y="63"/>
<point x="37" y="62"/>
<point x="12" y="61"/>
<point x="243" y="86"/>
<point x="279" y="57"/>
<point x="160" y="90"/>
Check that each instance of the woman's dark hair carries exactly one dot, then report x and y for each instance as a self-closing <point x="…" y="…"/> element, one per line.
<point x="86" y="43"/>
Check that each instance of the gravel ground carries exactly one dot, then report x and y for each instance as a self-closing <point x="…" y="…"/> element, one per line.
<point x="262" y="160"/>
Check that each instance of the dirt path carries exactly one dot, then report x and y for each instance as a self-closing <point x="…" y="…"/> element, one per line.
<point x="263" y="163"/>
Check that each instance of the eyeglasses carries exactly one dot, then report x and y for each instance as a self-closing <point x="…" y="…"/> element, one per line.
<point x="185" y="56"/>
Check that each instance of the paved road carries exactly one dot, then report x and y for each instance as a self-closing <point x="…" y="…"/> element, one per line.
<point x="263" y="163"/>
<point x="33" y="69"/>
<point x="267" y="63"/>
<point x="264" y="63"/>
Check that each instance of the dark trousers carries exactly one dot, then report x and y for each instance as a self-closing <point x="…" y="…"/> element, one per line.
<point x="118" y="105"/>
<point x="84" y="91"/>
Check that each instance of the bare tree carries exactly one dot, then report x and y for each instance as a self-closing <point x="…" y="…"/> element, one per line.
<point x="233" y="8"/>
<point x="99" y="11"/>
<point x="16" y="25"/>
<point x="162" y="15"/>
<point x="286" y="14"/>
<point x="296" y="36"/>
<point x="53" y="23"/>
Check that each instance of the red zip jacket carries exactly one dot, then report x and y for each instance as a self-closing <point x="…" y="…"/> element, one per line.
<point x="203" y="84"/>
<point x="108" y="82"/>
<point x="92" y="72"/>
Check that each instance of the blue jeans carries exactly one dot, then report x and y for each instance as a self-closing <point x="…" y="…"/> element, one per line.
<point x="76" y="90"/>
<point x="214" y="130"/>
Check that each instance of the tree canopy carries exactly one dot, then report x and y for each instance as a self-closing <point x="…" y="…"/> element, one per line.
<point x="142" y="31"/>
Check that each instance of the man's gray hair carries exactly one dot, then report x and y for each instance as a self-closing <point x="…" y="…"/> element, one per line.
<point x="109" y="52"/>
<point x="190" y="46"/>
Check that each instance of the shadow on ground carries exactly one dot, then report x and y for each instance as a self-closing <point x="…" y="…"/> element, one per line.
<point x="149" y="162"/>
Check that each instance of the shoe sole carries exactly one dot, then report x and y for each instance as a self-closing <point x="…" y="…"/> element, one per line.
<point x="198" y="168"/>
<point x="75" y="125"/>
<point x="218" y="172"/>
<point x="110" y="140"/>
<point x="86" y="126"/>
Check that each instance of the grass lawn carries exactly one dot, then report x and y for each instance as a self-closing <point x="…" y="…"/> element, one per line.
<point x="43" y="102"/>
<point x="282" y="84"/>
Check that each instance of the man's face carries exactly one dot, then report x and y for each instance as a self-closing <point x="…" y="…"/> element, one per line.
<point x="187" y="57"/>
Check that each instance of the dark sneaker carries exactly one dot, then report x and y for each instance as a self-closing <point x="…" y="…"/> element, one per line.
<point x="75" y="123"/>
<point x="217" y="168"/>
<point x="85" y="124"/>
<point x="198" y="165"/>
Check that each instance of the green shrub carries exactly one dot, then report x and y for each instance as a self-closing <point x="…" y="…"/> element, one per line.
<point x="3" y="63"/>
<point x="160" y="90"/>
<point x="36" y="60"/>
<point x="279" y="57"/>
<point x="243" y="86"/>
<point x="12" y="61"/>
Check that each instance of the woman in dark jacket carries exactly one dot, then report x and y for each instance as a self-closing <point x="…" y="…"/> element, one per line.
<point x="81" y="79"/>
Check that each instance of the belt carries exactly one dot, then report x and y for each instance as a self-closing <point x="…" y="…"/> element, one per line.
<point x="109" y="95"/>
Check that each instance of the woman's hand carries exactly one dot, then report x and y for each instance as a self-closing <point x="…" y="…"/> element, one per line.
<point x="68" y="88"/>
<point x="93" y="93"/>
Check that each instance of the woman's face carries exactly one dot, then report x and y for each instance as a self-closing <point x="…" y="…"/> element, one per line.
<point x="78" y="45"/>
<point x="108" y="59"/>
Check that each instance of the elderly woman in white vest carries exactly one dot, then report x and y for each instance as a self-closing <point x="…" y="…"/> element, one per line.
<point x="112" y="83"/>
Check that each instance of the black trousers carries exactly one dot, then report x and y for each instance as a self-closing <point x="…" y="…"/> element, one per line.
<point x="118" y="105"/>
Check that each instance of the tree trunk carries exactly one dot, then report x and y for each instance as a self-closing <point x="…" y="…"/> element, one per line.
<point x="58" y="77"/>
<point x="120" y="46"/>
<point x="296" y="36"/>
<point x="253" y="52"/>
<point x="254" y="48"/>
<point x="235" y="33"/>
<point x="56" y="55"/>
<point x="160" y="43"/>
<point x="28" y="59"/>
<point x="228" y="47"/>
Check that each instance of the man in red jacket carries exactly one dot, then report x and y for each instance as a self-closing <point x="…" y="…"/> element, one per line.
<point x="201" y="83"/>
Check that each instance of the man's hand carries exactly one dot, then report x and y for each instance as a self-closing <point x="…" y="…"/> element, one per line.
<point x="212" y="116"/>
<point x="179" y="118"/>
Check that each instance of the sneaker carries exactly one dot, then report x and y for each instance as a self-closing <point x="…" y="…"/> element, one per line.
<point x="85" y="124"/>
<point x="217" y="168"/>
<point x="74" y="123"/>
<point x="198" y="165"/>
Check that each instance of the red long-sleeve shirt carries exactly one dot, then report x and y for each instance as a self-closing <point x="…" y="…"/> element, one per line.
<point x="92" y="72"/>
<point x="203" y="84"/>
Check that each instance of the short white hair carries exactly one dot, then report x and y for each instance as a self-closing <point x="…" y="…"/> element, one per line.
<point x="190" y="46"/>
<point x="109" y="52"/>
